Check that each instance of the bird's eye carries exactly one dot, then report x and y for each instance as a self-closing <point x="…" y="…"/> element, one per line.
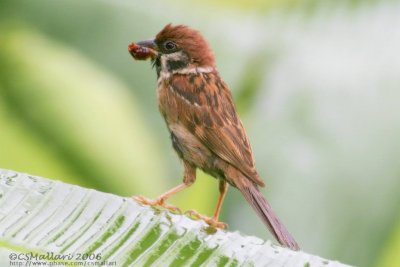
<point x="169" y="45"/>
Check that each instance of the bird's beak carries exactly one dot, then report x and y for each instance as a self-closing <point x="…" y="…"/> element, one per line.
<point x="148" y="43"/>
<point x="143" y="50"/>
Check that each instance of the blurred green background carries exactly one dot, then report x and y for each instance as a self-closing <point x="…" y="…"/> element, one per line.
<point x="317" y="85"/>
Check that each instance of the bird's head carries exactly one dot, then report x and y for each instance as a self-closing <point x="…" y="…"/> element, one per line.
<point x="175" y="48"/>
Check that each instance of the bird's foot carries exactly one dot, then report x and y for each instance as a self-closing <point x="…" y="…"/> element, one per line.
<point x="156" y="202"/>
<point x="209" y="220"/>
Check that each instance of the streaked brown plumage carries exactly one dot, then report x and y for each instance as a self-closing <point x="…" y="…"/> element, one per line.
<point x="205" y="129"/>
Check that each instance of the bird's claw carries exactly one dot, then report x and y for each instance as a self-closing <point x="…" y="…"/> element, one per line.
<point x="209" y="220"/>
<point x="171" y="208"/>
<point x="156" y="202"/>
<point x="144" y="200"/>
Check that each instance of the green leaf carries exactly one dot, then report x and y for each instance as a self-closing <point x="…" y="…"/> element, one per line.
<point x="44" y="216"/>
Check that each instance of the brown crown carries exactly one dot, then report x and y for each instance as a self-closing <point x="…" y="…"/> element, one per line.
<point x="189" y="40"/>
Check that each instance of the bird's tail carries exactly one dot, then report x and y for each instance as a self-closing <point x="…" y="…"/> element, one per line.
<point x="267" y="215"/>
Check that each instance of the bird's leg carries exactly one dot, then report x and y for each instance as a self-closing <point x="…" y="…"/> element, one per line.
<point x="213" y="221"/>
<point x="223" y="188"/>
<point x="188" y="179"/>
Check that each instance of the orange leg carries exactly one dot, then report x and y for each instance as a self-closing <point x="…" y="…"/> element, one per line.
<point x="188" y="179"/>
<point x="213" y="221"/>
<point x="223" y="188"/>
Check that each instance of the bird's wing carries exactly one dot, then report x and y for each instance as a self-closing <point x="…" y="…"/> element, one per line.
<point x="209" y="113"/>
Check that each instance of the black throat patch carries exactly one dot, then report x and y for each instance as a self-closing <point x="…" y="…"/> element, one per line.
<point x="156" y="63"/>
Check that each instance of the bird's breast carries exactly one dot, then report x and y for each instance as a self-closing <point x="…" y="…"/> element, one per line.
<point x="167" y="102"/>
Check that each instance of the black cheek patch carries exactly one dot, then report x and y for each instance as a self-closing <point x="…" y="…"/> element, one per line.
<point x="176" y="64"/>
